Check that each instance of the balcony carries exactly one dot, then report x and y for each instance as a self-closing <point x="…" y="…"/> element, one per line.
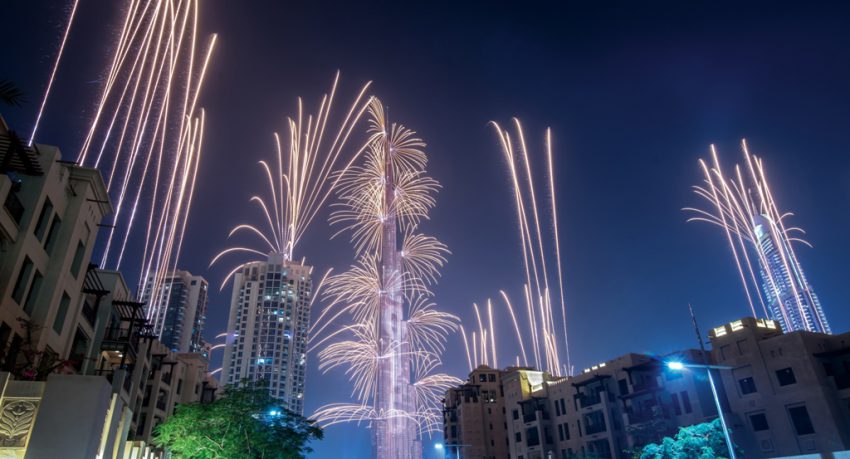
<point x="588" y="400"/>
<point x="120" y="339"/>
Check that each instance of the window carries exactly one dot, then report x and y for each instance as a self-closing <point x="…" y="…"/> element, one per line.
<point x="22" y="281"/>
<point x="78" y="259"/>
<point x="759" y="422"/>
<point x="59" y="321"/>
<point x="785" y="376"/>
<point x="32" y="296"/>
<point x="482" y="378"/>
<point x="677" y="407"/>
<point x="557" y="408"/>
<point x="563" y="407"/>
<point x="532" y="436"/>
<point x="747" y="385"/>
<point x="686" y="402"/>
<point x="52" y="235"/>
<point x="515" y="414"/>
<point x="43" y="220"/>
<point x="518" y="437"/>
<point x="561" y="432"/>
<point x="5" y="333"/>
<point x="79" y="349"/>
<point x="567" y="430"/>
<point x="491" y="377"/>
<point x="800" y="419"/>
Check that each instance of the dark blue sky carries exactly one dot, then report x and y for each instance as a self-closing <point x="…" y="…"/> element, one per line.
<point x="634" y="92"/>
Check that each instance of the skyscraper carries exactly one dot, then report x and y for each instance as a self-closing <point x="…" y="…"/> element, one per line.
<point x="790" y="299"/>
<point x="178" y="311"/>
<point x="267" y="328"/>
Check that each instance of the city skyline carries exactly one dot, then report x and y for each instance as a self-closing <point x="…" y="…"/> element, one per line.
<point x="655" y="277"/>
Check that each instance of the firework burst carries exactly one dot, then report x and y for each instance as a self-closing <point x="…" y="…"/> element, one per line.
<point x="306" y="173"/>
<point x="147" y="136"/>
<point x="742" y="204"/>
<point x="394" y="334"/>
<point x="546" y="340"/>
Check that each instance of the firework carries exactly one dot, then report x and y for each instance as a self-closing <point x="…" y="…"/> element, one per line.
<point x="147" y="136"/>
<point x="394" y="334"/>
<point x="305" y="176"/>
<point x="544" y="337"/>
<point x="50" y="81"/>
<point x="755" y="229"/>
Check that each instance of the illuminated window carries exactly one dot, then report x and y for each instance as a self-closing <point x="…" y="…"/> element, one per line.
<point x="736" y="325"/>
<point x="719" y="331"/>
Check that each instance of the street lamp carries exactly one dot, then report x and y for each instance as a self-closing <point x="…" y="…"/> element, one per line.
<point x="679" y="366"/>
<point x="443" y="446"/>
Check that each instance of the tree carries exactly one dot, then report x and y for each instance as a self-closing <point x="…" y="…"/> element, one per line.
<point x="10" y="94"/>
<point x="36" y="364"/>
<point x="245" y="423"/>
<point x="701" y="441"/>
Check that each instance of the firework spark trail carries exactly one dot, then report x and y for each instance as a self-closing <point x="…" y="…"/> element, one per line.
<point x="744" y="207"/>
<point x="147" y="136"/>
<point x="395" y="336"/>
<point x="307" y="173"/>
<point x="540" y="315"/>
<point x="59" y="53"/>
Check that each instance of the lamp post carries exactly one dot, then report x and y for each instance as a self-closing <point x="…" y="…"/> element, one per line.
<point x="680" y="366"/>
<point x="443" y="446"/>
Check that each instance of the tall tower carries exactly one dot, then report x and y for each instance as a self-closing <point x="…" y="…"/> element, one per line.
<point x="396" y="431"/>
<point x="178" y="309"/>
<point x="790" y="299"/>
<point x="267" y="328"/>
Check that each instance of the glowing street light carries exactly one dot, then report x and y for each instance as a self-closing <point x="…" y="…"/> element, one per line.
<point x="675" y="365"/>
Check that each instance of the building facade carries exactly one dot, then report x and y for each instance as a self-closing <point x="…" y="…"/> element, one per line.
<point x="789" y="392"/>
<point x="77" y="355"/>
<point x="475" y="425"/>
<point x="48" y="226"/>
<point x="782" y="394"/>
<point x="267" y="328"/>
<point x="178" y="310"/>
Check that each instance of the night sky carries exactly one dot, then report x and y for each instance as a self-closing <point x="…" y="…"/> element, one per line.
<point x="634" y="92"/>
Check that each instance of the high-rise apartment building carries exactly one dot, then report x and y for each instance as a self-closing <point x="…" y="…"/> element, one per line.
<point x="790" y="299"/>
<point x="267" y="328"/>
<point x="177" y="312"/>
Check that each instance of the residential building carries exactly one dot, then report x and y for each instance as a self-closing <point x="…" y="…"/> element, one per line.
<point x="177" y="311"/>
<point x="790" y="392"/>
<point x="72" y="337"/>
<point x="267" y="327"/>
<point x="782" y="394"/>
<point x="475" y="426"/>
<point x="606" y="411"/>
<point x="48" y="225"/>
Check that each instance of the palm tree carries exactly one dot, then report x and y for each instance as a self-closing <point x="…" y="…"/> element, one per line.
<point x="10" y="94"/>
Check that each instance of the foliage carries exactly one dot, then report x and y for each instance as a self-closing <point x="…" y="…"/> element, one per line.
<point x="701" y="441"/>
<point x="10" y="94"/>
<point x="245" y="423"/>
<point x="35" y="364"/>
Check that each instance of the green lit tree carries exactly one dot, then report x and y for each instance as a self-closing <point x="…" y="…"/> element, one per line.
<point x="244" y="423"/>
<point x="701" y="441"/>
